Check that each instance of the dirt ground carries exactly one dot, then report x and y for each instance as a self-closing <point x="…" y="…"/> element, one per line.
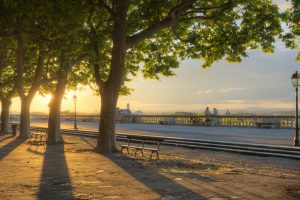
<point x="74" y="171"/>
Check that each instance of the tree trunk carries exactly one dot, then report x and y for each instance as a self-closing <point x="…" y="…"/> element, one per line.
<point x="109" y="93"/>
<point x="25" y="118"/>
<point x="5" y="105"/>
<point x="106" y="139"/>
<point x="54" y="135"/>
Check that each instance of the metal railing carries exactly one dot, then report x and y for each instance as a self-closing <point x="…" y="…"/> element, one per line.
<point x="222" y="120"/>
<point x="235" y="121"/>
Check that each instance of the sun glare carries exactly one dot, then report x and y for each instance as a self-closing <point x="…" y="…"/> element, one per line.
<point x="47" y="98"/>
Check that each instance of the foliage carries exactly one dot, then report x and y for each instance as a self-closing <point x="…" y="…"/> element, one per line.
<point x="7" y="69"/>
<point x="24" y="22"/>
<point x="207" y="30"/>
<point x="292" y="18"/>
<point x="67" y="45"/>
<point x="47" y="28"/>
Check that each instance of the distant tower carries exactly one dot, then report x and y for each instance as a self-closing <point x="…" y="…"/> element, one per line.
<point x="128" y="106"/>
<point x="227" y="112"/>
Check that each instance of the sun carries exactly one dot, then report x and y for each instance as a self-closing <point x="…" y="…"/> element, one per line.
<point x="47" y="98"/>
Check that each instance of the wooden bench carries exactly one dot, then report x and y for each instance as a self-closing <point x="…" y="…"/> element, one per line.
<point x="38" y="136"/>
<point x="138" y="144"/>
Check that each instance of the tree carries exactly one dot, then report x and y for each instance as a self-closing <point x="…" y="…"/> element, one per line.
<point x="125" y="35"/>
<point x="66" y="19"/>
<point x="24" y="22"/>
<point x="8" y="89"/>
<point x="48" y="42"/>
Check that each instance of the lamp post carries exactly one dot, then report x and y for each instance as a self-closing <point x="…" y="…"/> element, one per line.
<point x="296" y="84"/>
<point x="75" y="120"/>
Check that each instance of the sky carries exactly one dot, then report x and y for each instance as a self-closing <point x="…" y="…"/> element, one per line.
<point x="259" y="82"/>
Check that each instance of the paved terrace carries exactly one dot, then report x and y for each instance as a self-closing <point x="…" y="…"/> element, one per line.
<point x="233" y="134"/>
<point x="74" y="171"/>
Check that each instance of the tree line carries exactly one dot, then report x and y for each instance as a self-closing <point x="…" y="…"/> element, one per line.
<point x="49" y="46"/>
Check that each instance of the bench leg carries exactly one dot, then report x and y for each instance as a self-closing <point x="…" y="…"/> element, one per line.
<point x="157" y="156"/>
<point x="135" y="152"/>
<point x="122" y="148"/>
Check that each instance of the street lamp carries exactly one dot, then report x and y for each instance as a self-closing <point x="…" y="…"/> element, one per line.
<point x="75" y="120"/>
<point x="296" y="84"/>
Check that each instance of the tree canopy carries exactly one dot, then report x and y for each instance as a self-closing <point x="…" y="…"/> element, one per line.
<point x="292" y="18"/>
<point x="7" y="68"/>
<point x="159" y="33"/>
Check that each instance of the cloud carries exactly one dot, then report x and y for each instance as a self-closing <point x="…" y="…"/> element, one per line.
<point x="234" y="104"/>
<point x="200" y="92"/>
<point x="231" y="89"/>
<point x="234" y="101"/>
<point x="221" y="90"/>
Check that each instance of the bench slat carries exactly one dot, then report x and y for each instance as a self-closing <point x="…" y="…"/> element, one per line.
<point x="142" y="140"/>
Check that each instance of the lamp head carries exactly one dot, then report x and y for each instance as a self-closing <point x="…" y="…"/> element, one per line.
<point x="75" y="97"/>
<point x="296" y="79"/>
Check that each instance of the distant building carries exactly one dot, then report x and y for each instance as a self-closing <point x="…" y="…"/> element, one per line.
<point x="128" y="106"/>
<point x="138" y="112"/>
<point x="119" y="113"/>
<point x="123" y="111"/>
<point x="227" y="113"/>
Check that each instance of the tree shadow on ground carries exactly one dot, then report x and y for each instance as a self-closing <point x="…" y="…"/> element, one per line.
<point x="9" y="147"/>
<point x="36" y="149"/>
<point x="55" y="179"/>
<point x="153" y="179"/>
<point x="5" y="137"/>
<point x="234" y="189"/>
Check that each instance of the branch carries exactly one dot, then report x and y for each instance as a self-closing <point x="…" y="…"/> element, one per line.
<point x="92" y="35"/>
<point x="98" y="79"/>
<point x="173" y="19"/>
<point x="223" y="7"/>
<point x="179" y="9"/>
<point x="102" y="4"/>
<point x="181" y="39"/>
<point x="39" y="69"/>
<point x="227" y="4"/>
<point x="20" y="64"/>
<point x="45" y="81"/>
<point x="12" y="92"/>
<point x="36" y="83"/>
<point x="97" y="74"/>
<point x="78" y="59"/>
<point x="148" y="32"/>
<point x="199" y="17"/>
<point x="169" y="21"/>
